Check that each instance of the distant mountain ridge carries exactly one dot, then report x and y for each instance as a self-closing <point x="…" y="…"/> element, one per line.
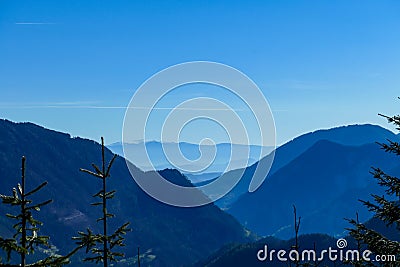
<point x="325" y="182"/>
<point x="352" y="135"/>
<point x="245" y="155"/>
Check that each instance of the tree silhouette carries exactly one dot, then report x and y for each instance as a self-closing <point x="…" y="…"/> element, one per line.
<point x="101" y="245"/>
<point x="385" y="208"/>
<point x="138" y="256"/>
<point x="26" y="236"/>
<point x="296" y="236"/>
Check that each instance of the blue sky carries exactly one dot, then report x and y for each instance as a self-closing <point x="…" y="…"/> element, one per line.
<point x="74" y="65"/>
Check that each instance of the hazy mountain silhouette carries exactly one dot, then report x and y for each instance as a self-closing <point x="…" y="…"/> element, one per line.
<point x="196" y="155"/>
<point x="352" y="135"/>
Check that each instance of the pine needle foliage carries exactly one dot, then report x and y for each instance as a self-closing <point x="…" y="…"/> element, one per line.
<point x="101" y="246"/>
<point x="385" y="208"/>
<point x="27" y="237"/>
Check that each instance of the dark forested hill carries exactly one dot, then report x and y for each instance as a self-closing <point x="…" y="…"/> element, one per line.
<point x="168" y="236"/>
<point x="246" y="254"/>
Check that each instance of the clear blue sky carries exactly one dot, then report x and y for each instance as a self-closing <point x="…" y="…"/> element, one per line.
<point x="73" y="65"/>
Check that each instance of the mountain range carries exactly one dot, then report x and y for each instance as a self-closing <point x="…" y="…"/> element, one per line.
<point x="323" y="173"/>
<point x="352" y="135"/>
<point x="187" y="157"/>
<point x="166" y="235"/>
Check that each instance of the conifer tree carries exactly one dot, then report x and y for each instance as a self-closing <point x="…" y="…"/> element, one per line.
<point x="101" y="245"/>
<point x="385" y="208"/>
<point x="26" y="237"/>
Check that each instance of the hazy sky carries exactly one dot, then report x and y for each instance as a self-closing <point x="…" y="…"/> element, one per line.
<point x="73" y="66"/>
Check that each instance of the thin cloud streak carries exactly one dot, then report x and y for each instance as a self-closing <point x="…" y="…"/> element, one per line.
<point x="110" y="107"/>
<point x="136" y="108"/>
<point x="95" y="105"/>
<point x="34" y="23"/>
